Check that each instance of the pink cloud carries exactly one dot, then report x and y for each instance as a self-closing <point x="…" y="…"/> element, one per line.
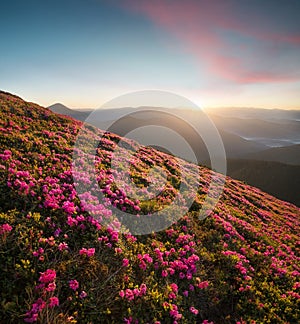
<point x="200" y="28"/>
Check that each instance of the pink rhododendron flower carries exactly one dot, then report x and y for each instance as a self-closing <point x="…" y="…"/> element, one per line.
<point x="118" y="250"/>
<point x="193" y="310"/>
<point x="164" y="273"/>
<point x="89" y="252"/>
<point x="203" y="284"/>
<point x="174" y="287"/>
<point x="185" y="293"/>
<point x="62" y="246"/>
<point x="143" y="289"/>
<point x="51" y="286"/>
<point x="172" y="295"/>
<point x="129" y="294"/>
<point x="74" y="284"/>
<point x="5" y="228"/>
<point x="143" y="265"/>
<point x="83" y="294"/>
<point x="125" y="262"/>
<point x="53" y="301"/>
<point x="48" y="276"/>
<point x="69" y="207"/>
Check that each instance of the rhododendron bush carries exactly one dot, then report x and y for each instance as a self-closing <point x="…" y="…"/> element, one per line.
<point x="60" y="264"/>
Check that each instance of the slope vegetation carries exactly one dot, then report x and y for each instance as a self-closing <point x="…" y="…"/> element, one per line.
<point x="60" y="265"/>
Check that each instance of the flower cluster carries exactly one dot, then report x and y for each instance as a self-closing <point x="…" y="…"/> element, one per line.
<point x="131" y="294"/>
<point x="46" y="287"/>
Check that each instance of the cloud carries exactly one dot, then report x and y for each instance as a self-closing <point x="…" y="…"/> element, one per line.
<point x="227" y="41"/>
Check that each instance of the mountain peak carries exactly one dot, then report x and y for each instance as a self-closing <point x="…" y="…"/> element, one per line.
<point x="60" y="108"/>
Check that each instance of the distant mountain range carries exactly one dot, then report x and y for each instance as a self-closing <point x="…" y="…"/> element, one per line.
<point x="270" y="133"/>
<point x="243" y="135"/>
<point x="250" y="136"/>
<point x="286" y="154"/>
<point x="257" y="113"/>
<point x="270" y="127"/>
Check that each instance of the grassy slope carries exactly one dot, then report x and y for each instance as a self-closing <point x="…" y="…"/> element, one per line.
<point x="239" y="264"/>
<point x="278" y="179"/>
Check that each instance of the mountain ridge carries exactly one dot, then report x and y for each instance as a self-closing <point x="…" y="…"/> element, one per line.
<point x="287" y="154"/>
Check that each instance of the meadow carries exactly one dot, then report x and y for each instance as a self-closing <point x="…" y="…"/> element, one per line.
<point x="59" y="264"/>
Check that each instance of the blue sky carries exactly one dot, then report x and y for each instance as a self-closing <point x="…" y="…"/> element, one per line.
<point x="215" y="53"/>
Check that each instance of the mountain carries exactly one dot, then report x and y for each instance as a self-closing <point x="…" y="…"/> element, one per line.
<point x="63" y="110"/>
<point x="235" y="146"/>
<point x="260" y="128"/>
<point x="272" y="115"/>
<point x="66" y="256"/>
<point x="287" y="154"/>
<point x="241" y="135"/>
<point x="271" y="133"/>
<point x="278" y="179"/>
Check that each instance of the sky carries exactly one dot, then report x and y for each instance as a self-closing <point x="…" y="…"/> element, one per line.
<point x="83" y="53"/>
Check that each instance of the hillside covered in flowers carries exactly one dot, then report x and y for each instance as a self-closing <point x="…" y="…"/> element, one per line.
<point x="58" y="264"/>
